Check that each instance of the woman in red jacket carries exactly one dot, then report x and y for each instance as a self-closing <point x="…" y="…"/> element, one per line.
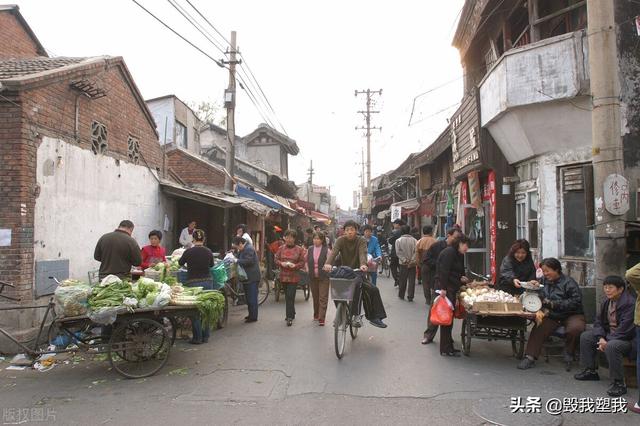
<point x="154" y="252"/>
<point x="290" y="260"/>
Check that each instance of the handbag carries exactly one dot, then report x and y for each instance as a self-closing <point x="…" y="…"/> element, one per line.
<point x="441" y="312"/>
<point x="242" y="274"/>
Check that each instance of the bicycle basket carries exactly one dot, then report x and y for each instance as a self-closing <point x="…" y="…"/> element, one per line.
<point x="342" y="289"/>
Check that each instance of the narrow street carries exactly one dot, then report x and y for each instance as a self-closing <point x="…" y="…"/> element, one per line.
<point x="267" y="373"/>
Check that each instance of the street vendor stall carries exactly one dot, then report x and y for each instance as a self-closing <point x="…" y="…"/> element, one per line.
<point x="493" y="315"/>
<point x="133" y="323"/>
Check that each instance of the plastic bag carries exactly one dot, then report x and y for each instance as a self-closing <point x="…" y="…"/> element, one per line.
<point x="106" y="316"/>
<point x="109" y="279"/>
<point x="459" y="312"/>
<point x="71" y="300"/>
<point x="441" y="312"/>
<point x="242" y="274"/>
<point x="219" y="274"/>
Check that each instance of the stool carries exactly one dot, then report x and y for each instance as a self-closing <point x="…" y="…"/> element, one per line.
<point x="554" y="346"/>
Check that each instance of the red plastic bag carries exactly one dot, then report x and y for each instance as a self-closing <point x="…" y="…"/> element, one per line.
<point x="441" y="312"/>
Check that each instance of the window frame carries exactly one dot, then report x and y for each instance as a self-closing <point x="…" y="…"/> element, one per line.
<point x="561" y="195"/>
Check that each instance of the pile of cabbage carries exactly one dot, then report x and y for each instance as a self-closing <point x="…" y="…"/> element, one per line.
<point x="484" y="294"/>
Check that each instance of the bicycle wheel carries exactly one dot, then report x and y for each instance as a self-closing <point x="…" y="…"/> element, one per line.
<point x="263" y="290"/>
<point x="306" y="291"/>
<point x="222" y="321"/>
<point x="353" y="330"/>
<point x="387" y="267"/>
<point x="340" y="329"/>
<point x="278" y="288"/>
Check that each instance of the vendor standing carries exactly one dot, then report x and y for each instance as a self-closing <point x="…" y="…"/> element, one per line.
<point x="117" y="252"/>
<point x="186" y="236"/>
<point x="517" y="268"/>
<point x="154" y="253"/>
<point x="198" y="260"/>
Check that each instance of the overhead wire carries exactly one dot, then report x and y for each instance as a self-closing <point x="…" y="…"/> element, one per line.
<point x="219" y="63"/>
<point x="197" y="26"/>
<point x="250" y="78"/>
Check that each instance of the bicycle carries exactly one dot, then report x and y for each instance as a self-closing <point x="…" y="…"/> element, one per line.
<point x="234" y="291"/>
<point x="342" y="291"/>
<point x="303" y="284"/>
<point x="383" y="265"/>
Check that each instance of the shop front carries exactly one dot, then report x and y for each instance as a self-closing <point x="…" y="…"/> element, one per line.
<point x="485" y="214"/>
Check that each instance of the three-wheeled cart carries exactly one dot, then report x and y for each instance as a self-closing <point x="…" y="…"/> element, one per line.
<point x="490" y="325"/>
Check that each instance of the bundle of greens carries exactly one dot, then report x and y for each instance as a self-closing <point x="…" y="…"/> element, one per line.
<point x="210" y="304"/>
<point x="111" y="295"/>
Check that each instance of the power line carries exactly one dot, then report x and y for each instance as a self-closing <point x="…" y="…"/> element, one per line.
<point x="210" y="24"/>
<point x="193" y="22"/>
<point x="220" y="64"/>
<point x="251" y="79"/>
<point x="261" y="91"/>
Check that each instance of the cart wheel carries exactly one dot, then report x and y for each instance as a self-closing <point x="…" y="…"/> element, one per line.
<point x="139" y="348"/>
<point x="306" y="291"/>
<point x="263" y="290"/>
<point x="277" y="289"/>
<point x="222" y="321"/>
<point x="466" y="337"/>
<point x="517" y="344"/>
<point x="340" y="329"/>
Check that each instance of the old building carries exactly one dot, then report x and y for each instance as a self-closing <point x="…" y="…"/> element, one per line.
<point x="79" y="153"/>
<point x="176" y="122"/>
<point x="530" y="62"/>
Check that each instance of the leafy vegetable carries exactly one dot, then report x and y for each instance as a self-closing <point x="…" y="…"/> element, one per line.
<point x="111" y="295"/>
<point x="210" y="304"/>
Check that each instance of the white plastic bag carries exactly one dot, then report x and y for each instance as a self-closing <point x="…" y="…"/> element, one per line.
<point x="109" y="279"/>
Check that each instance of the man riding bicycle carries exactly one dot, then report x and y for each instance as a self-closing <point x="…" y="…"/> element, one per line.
<point x="351" y="250"/>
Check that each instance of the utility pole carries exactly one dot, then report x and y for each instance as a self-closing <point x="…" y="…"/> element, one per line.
<point x="310" y="172"/>
<point x="230" y="105"/>
<point x="610" y="243"/>
<point x="367" y="116"/>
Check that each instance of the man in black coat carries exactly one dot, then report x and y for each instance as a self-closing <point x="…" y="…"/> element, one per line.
<point x="612" y="334"/>
<point x="430" y="261"/>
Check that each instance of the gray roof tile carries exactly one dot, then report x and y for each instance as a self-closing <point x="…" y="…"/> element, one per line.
<point x="11" y="68"/>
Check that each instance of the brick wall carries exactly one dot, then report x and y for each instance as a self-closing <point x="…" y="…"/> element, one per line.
<point x="15" y="42"/>
<point x="17" y="179"/>
<point x="49" y="109"/>
<point x="194" y="171"/>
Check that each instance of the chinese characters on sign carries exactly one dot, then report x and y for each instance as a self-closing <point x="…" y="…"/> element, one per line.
<point x="557" y="406"/>
<point x="396" y="212"/>
<point x="616" y="194"/>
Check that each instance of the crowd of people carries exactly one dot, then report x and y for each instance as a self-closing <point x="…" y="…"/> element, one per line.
<point x="438" y="265"/>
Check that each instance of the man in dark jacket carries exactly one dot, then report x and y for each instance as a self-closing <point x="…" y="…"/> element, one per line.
<point x="394" y="262"/>
<point x="429" y="261"/>
<point x="117" y="252"/>
<point x="612" y="333"/>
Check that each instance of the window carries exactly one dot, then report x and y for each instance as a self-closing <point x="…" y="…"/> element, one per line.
<point x="98" y="138"/>
<point x="532" y="218"/>
<point x="577" y="239"/>
<point x="181" y="135"/>
<point x="521" y="224"/>
<point x="133" y="149"/>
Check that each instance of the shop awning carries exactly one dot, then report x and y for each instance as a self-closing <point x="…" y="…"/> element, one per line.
<point x="256" y="207"/>
<point x="408" y="206"/>
<point x="264" y="199"/>
<point x="217" y="199"/>
<point x="319" y="217"/>
<point x="383" y="214"/>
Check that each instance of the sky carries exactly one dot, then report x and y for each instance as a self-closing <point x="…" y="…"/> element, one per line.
<point x="308" y="57"/>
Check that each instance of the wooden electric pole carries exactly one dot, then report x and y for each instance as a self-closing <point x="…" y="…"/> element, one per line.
<point x="610" y="243"/>
<point x="367" y="117"/>
<point x="230" y="105"/>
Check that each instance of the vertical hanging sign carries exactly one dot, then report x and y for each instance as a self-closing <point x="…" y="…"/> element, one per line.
<point x="493" y="227"/>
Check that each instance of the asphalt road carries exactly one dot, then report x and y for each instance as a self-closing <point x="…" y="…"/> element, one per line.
<point x="268" y="373"/>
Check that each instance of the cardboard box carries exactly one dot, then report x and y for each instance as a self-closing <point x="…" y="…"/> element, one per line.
<point x="497" y="308"/>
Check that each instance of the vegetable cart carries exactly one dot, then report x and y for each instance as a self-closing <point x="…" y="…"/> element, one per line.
<point x="495" y="321"/>
<point x="137" y="343"/>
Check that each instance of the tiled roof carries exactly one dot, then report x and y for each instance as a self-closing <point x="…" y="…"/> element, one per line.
<point x="11" y="68"/>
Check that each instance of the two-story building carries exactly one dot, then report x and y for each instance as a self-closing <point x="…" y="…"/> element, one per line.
<point x="176" y="122"/>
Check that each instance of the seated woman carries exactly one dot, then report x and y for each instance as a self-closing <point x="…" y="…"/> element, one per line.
<point x="561" y="306"/>
<point x="517" y="267"/>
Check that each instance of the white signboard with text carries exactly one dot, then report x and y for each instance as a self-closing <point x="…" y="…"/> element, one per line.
<point x="616" y="194"/>
<point x="396" y="212"/>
